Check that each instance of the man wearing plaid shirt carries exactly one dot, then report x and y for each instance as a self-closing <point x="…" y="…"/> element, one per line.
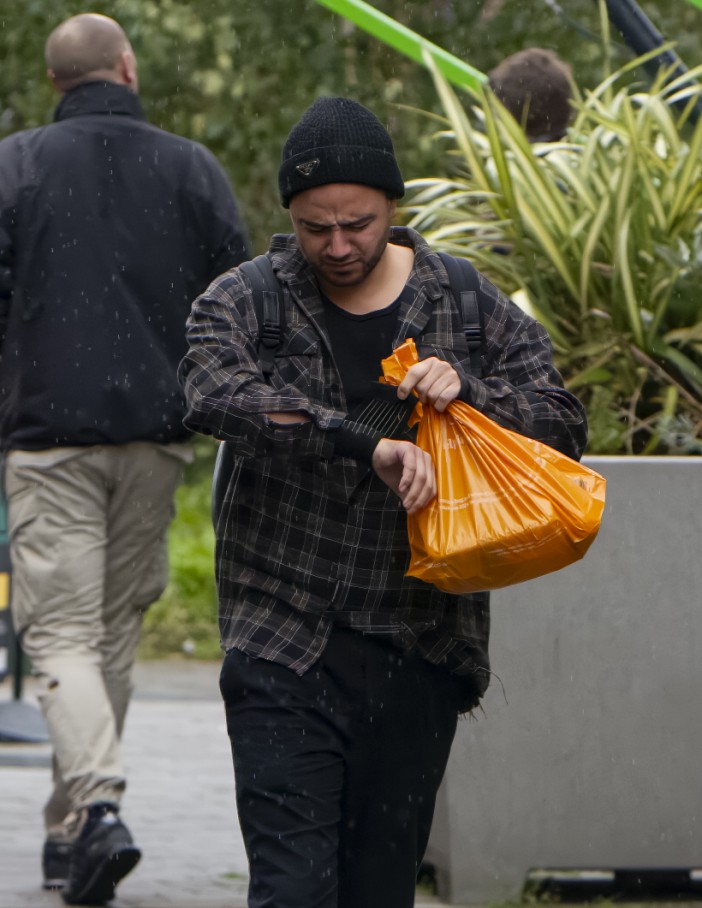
<point x="343" y="679"/>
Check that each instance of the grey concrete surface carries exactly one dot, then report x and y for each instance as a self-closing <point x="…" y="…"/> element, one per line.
<point x="179" y="804"/>
<point x="587" y="754"/>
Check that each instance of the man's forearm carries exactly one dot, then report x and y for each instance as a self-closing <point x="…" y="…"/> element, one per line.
<point x="289" y="419"/>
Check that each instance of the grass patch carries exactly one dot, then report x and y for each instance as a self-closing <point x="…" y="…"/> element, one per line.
<point x="184" y="620"/>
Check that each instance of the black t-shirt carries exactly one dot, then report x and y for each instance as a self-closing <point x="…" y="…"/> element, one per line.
<point x="359" y="343"/>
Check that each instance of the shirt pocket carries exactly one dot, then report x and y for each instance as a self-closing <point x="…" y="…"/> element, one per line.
<point x="298" y="362"/>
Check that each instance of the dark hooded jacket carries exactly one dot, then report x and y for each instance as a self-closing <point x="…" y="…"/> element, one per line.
<point x="109" y="228"/>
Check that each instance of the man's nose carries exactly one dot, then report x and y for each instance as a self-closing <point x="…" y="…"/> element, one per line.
<point x="339" y="245"/>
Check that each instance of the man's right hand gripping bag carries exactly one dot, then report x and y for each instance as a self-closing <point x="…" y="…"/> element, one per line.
<point x="507" y="509"/>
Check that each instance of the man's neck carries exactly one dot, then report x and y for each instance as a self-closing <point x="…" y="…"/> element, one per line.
<point x="380" y="288"/>
<point x="99" y="98"/>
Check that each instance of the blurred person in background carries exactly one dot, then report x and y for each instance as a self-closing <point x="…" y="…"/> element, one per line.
<point x="109" y="228"/>
<point x="536" y="87"/>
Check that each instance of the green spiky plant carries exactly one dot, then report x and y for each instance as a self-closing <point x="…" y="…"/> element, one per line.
<point x="600" y="235"/>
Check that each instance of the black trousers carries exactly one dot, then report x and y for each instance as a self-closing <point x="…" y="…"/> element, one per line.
<point x="337" y="771"/>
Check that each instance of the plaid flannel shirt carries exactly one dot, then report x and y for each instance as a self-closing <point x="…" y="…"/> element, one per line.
<point x="307" y="539"/>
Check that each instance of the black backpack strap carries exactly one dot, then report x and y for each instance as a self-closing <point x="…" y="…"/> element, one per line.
<point x="465" y="284"/>
<point x="268" y="303"/>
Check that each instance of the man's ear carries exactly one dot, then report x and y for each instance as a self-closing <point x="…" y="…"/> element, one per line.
<point x="54" y="81"/>
<point x="127" y="67"/>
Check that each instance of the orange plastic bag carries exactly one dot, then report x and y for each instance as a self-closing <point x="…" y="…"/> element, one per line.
<point x="508" y="508"/>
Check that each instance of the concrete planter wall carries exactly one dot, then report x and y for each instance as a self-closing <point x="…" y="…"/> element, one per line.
<point x="591" y="755"/>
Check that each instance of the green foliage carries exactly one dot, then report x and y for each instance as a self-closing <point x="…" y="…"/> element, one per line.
<point x="236" y="76"/>
<point x="185" y="618"/>
<point x="603" y="235"/>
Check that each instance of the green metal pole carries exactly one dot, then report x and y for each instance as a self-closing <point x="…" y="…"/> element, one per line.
<point x="407" y="42"/>
<point x="697" y="3"/>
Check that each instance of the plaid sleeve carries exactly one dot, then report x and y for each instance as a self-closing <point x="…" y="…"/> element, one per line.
<point x="226" y="393"/>
<point x="521" y="389"/>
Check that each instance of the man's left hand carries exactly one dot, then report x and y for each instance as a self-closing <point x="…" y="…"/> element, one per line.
<point x="435" y="381"/>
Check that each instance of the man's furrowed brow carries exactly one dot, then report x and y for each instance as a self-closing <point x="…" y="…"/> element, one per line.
<point x="325" y="225"/>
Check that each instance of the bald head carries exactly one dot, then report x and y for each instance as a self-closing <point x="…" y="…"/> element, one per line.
<point x="88" y="48"/>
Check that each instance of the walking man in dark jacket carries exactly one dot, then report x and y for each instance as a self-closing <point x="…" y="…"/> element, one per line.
<point x="109" y="228"/>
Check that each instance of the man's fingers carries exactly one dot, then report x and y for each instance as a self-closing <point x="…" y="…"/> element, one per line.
<point x="414" y="374"/>
<point x="434" y="381"/>
<point x="445" y="396"/>
<point x="407" y="470"/>
<point x="418" y="483"/>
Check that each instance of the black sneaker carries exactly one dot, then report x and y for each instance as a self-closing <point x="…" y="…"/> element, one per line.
<point x="103" y="854"/>
<point x="55" y="861"/>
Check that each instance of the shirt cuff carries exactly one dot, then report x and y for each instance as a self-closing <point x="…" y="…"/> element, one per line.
<point x="353" y="439"/>
<point x="383" y="416"/>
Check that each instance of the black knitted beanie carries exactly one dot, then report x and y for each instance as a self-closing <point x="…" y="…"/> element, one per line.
<point x="338" y="140"/>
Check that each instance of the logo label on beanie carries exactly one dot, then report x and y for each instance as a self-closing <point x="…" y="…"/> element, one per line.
<point x="308" y="167"/>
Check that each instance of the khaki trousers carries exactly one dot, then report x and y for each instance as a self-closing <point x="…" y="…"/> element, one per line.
<point x="88" y="543"/>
